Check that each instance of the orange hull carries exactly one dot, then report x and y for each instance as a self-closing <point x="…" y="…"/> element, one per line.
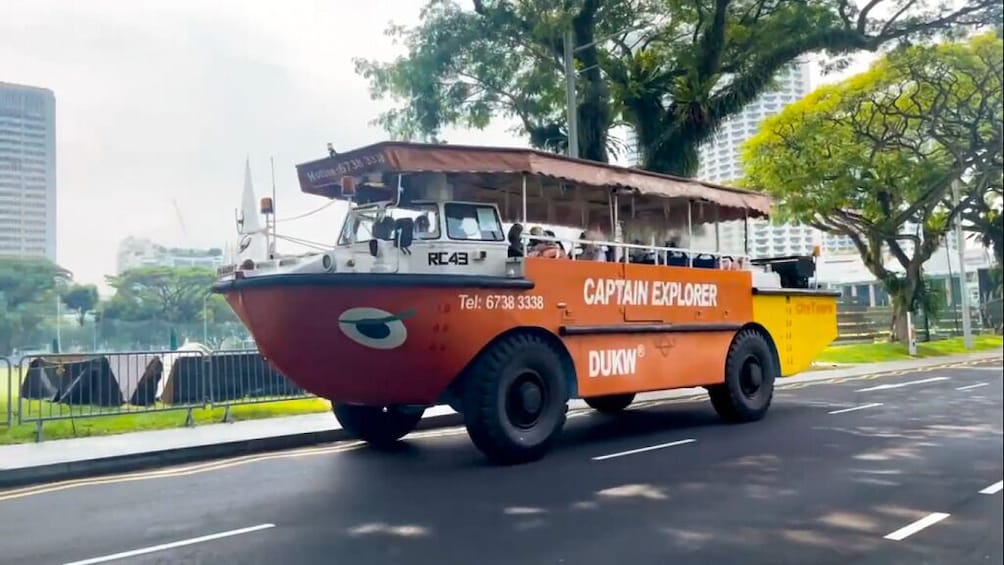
<point x="625" y="327"/>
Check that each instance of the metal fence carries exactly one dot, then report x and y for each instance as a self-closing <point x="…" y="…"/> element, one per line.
<point x="864" y="324"/>
<point x="7" y="374"/>
<point x="43" y="388"/>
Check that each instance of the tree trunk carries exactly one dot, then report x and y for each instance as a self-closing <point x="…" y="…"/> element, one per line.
<point x="902" y="299"/>
<point x="678" y="158"/>
<point x="594" y="110"/>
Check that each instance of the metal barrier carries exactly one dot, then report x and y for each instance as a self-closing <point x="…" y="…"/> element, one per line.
<point x="7" y="371"/>
<point x="88" y="385"/>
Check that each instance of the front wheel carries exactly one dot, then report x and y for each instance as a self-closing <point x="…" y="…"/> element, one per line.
<point x="515" y="398"/>
<point x="377" y="425"/>
<point x="750" y="371"/>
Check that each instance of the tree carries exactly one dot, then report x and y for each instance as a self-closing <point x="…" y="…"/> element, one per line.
<point x="671" y="70"/>
<point x="27" y="298"/>
<point x="81" y="298"/>
<point x="173" y="295"/>
<point x="876" y="154"/>
<point x="984" y="217"/>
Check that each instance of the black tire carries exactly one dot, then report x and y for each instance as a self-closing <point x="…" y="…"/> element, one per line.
<point x="610" y="404"/>
<point x="750" y="371"/>
<point x="515" y="398"/>
<point x="376" y="425"/>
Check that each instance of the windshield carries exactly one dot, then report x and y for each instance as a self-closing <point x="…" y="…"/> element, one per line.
<point x="359" y="223"/>
<point x="473" y="222"/>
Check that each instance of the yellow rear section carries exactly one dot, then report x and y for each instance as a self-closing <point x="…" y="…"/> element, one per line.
<point x="801" y="323"/>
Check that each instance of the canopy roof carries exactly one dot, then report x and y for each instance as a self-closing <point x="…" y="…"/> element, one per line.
<point x="560" y="187"/>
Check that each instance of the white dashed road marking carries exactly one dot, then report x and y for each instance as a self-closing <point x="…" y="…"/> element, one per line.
<point x="910" y="529"/>
<point x="172" y="545"/>
<point x="899" y="385"/>
<point x="853" y="408"/>
<point x="968" y="387"/>
<point x="643" y="449"/>
<point x="994" y="488"/>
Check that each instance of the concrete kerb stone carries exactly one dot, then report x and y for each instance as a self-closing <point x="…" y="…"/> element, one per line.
<point x="141" y="461"/>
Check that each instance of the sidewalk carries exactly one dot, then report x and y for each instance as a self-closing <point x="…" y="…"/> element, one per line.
<point x="73" y="458"/>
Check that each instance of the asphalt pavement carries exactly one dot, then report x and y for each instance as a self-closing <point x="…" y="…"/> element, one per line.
<point x="896" y="469"/>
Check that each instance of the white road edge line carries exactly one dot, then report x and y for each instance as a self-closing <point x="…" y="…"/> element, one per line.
<point x="643" y="449"/>
<point x="977" y="385"/>
<point x="994" y="488"/>
<point x="898" y="385"/>
<point x="910" y="529"/>
<point x="172" y="545"/>
<point x="853" y="408"/>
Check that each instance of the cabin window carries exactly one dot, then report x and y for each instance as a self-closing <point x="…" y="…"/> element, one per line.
<point x="473" y="222"/>
<point x="360" y="222"/>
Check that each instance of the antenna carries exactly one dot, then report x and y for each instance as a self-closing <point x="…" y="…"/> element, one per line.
<point x="271" y="161"/>
<point x="271" y="251"/>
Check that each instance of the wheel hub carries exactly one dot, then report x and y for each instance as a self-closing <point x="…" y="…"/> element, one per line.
<point x="532" y="397"/>
<point x="525" y="400"/>
<point x="752" y="377"/>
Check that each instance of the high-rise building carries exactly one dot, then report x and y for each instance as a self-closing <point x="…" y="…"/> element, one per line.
<point x="27" y="171"/>
<point x="720" y="156"/>
<point x="721" y="161"/>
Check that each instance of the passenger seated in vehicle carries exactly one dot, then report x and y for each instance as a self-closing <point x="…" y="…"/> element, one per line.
<point x="732" y="263"/>
<point x="638" y="254"/>
<point x="591" y="251"/>
<point x="675" y="258"/>
<point x="541" y="248"/>
<point x="515" y="245"/>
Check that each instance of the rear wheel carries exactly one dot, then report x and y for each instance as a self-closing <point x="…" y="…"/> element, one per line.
<point x="377" y="425"/>
<point x="750" y="371"/>
<point x="515" y="398"/>
<point x="610" y="404"/>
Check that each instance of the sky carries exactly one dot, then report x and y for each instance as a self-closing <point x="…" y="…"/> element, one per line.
<point x="158" y="104"/>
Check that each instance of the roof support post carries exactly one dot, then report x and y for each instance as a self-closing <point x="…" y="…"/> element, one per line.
<point x="690" y="233"/>
<point x="523" y="242"/>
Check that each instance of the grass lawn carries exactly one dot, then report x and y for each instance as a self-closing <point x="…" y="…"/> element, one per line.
<point x="878" y="352"/>
<point x="122" y="423"/>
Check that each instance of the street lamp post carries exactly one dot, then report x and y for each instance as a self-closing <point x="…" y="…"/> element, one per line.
<point x="571" y="110"/>
<point x="967" y="329"/>
<point x="571" y="106"/>
<point x="59" y="323"/>
<point x="205" y="321"/>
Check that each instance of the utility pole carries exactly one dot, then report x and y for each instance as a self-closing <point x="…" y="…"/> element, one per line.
<point x="570" y="98"/>
<point x="967" y="329"/>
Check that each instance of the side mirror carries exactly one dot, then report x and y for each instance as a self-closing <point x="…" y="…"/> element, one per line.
<point x="405" y="234"/>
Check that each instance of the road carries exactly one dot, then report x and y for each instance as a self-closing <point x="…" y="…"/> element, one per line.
<point x="884" y="470"/>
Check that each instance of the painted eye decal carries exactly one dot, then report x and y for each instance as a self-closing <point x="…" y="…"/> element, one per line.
<point x="375" y="328"/>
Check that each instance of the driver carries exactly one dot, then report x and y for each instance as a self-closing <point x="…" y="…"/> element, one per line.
<point x="423" y="227"/>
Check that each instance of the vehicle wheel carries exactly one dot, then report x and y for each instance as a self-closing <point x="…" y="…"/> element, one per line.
<point x="610" y="404"/>
<point x="750" y="371"/>
<point x="375" y="424"/>
<point x="515" y="398"/>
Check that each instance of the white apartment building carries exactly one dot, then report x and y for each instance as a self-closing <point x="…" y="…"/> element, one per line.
<point x="721" y="162"/>
<point x="140" y="252"/>
<point x="27" y="171"/>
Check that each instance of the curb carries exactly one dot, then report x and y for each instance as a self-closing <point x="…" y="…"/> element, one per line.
<point x="93" y="468"/>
